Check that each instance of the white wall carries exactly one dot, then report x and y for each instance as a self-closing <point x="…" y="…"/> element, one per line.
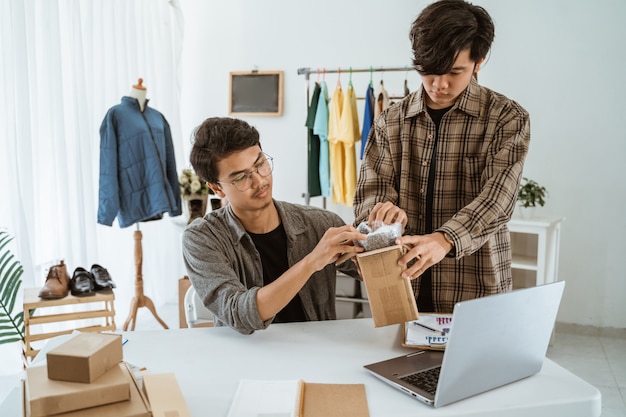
<point x="561" y="60"/>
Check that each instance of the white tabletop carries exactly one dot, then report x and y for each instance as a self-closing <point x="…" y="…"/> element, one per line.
<point x="210" y="362"/>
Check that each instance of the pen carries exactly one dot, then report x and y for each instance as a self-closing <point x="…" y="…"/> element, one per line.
<point x="430" y="328"/>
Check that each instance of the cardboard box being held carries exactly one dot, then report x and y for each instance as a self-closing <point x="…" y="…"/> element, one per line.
<point x="85" y="357"/>
<point x="137" y="406"/>
<point x="391" y="296"/>
<point x="46" y="397"/>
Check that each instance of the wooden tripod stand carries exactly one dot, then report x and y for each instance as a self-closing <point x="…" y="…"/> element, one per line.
<point x="140" y="300"/>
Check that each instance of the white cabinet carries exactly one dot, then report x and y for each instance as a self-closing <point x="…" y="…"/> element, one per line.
<point x="535" y="246"/>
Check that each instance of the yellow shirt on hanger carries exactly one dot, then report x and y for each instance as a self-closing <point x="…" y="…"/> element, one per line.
<point x="335" y="147"/>
<point x="349" y="135"/>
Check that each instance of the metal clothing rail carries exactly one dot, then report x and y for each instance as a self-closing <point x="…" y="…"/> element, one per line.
<point x="306" y="71"/>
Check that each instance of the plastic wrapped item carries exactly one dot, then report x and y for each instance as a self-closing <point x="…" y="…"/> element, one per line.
<point x="379" y="235"/>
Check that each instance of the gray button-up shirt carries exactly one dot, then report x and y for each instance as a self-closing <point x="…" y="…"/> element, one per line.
<point x="225" y="267"/>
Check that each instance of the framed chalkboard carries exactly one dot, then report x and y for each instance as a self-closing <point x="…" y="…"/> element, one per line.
<point x="256" y="93"/>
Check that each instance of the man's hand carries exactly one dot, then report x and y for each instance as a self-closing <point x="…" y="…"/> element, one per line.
<point x="335" y="242"/>
<point x="426" y="250"/>
<point x="388" y="213"/>
<point x="275" y="296"/>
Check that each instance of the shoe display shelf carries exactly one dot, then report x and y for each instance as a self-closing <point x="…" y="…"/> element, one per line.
<point x="44" y="314"/>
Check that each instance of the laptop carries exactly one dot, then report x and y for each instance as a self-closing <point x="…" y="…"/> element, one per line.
<point x="495" y="340"/>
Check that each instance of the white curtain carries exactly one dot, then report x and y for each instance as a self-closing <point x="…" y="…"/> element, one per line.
<point x="64" y="64"/>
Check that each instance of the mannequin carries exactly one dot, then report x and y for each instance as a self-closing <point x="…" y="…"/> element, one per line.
<point x="139" y="92"/>
<point x="154" y="188"/>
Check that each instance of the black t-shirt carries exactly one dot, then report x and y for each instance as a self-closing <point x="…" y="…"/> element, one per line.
<point x="272" y="247"/>
<point x="425" y="296"/>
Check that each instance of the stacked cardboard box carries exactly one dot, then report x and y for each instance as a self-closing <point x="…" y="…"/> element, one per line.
<point x="84" y="377"/>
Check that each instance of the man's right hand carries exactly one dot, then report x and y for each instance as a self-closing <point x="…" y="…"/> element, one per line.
<point x="388" y="213"/>
<point x="335" y="242"/>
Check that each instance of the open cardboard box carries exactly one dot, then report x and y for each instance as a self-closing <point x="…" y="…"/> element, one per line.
<point x="391" y="296"/>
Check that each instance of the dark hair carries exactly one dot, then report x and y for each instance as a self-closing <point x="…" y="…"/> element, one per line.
<point x="215" y="139"/>
<point x="444" y="29"/>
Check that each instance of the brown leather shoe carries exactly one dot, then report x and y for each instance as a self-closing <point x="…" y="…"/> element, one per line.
<point x="57" y="283"/>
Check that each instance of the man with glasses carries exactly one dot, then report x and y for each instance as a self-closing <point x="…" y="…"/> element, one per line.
<point x="257" y="260"/>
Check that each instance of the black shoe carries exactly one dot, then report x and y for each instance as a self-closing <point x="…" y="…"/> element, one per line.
<point x="102" y="278"/>
<point x="82" y="283"/>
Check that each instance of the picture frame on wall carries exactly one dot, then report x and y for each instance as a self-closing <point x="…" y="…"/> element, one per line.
<point x="255" y="93"/>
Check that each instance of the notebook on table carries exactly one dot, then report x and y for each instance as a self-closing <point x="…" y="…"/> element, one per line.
<point x="497" y="340"/>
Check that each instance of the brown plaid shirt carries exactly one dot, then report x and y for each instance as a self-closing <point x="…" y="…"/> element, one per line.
<point x="483" y="141"/>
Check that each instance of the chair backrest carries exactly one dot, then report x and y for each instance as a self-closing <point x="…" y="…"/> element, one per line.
<point x="196" y="313"/>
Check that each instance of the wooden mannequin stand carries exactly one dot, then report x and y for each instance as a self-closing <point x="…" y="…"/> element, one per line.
<point x="140" y="300"/>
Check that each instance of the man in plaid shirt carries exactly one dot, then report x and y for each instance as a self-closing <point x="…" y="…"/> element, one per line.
<point x="446" y="162"/>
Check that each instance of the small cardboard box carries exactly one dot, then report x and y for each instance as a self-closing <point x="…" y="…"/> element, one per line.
<point x="164" y="395"/>
<point x="85" y="357"/>
<point x="47" y="397"/>
<point x="137" y="406"/>
<point x="391" y="297"/>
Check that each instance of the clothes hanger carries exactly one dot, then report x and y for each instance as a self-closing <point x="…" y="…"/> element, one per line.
<point x="339" y="77"/>
<point x="350" y="79"/>
<point x="406" y="83"/>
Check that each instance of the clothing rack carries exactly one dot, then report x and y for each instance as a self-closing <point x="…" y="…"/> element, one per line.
<point x="307" y="71"/>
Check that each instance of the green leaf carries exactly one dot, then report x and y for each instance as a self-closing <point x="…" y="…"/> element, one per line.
<point x="11" y="271"/>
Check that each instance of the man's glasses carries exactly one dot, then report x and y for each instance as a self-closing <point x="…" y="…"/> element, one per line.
<point x="243" y="182"/>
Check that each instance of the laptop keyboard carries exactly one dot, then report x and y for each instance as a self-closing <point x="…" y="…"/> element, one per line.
<point x="425" y="380"/>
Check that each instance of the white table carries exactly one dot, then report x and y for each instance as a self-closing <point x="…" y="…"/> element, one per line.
<point x="209" y="362"/>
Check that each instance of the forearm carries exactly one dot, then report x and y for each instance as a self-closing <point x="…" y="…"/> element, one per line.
<point x="473" y="224"/>
<point x="272" y="298"/>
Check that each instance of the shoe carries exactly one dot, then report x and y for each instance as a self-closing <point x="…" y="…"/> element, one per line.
<point x="103" y="280"/>
<point x="82" y="283"/>
<point x="57" y="283"/>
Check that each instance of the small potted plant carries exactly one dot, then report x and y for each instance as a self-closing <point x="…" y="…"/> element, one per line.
<point x="195" y="194"/>
<point x="530" y="195"/>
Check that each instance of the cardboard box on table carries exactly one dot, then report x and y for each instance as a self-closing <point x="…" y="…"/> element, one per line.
<point x="136" y="406"/>
<point x="48" y="397"/>
<point x="164" y="396"/>
<point x="84" y="358"/>
<point x="390" y="296"/>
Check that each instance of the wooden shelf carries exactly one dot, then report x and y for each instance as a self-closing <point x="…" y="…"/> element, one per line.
<point x="43" y="315"/>
<point x="524" y="262"/>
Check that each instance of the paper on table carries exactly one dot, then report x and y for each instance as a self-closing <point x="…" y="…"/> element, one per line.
<point x="268" y="398"/>
<point x="416" y="335"/>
